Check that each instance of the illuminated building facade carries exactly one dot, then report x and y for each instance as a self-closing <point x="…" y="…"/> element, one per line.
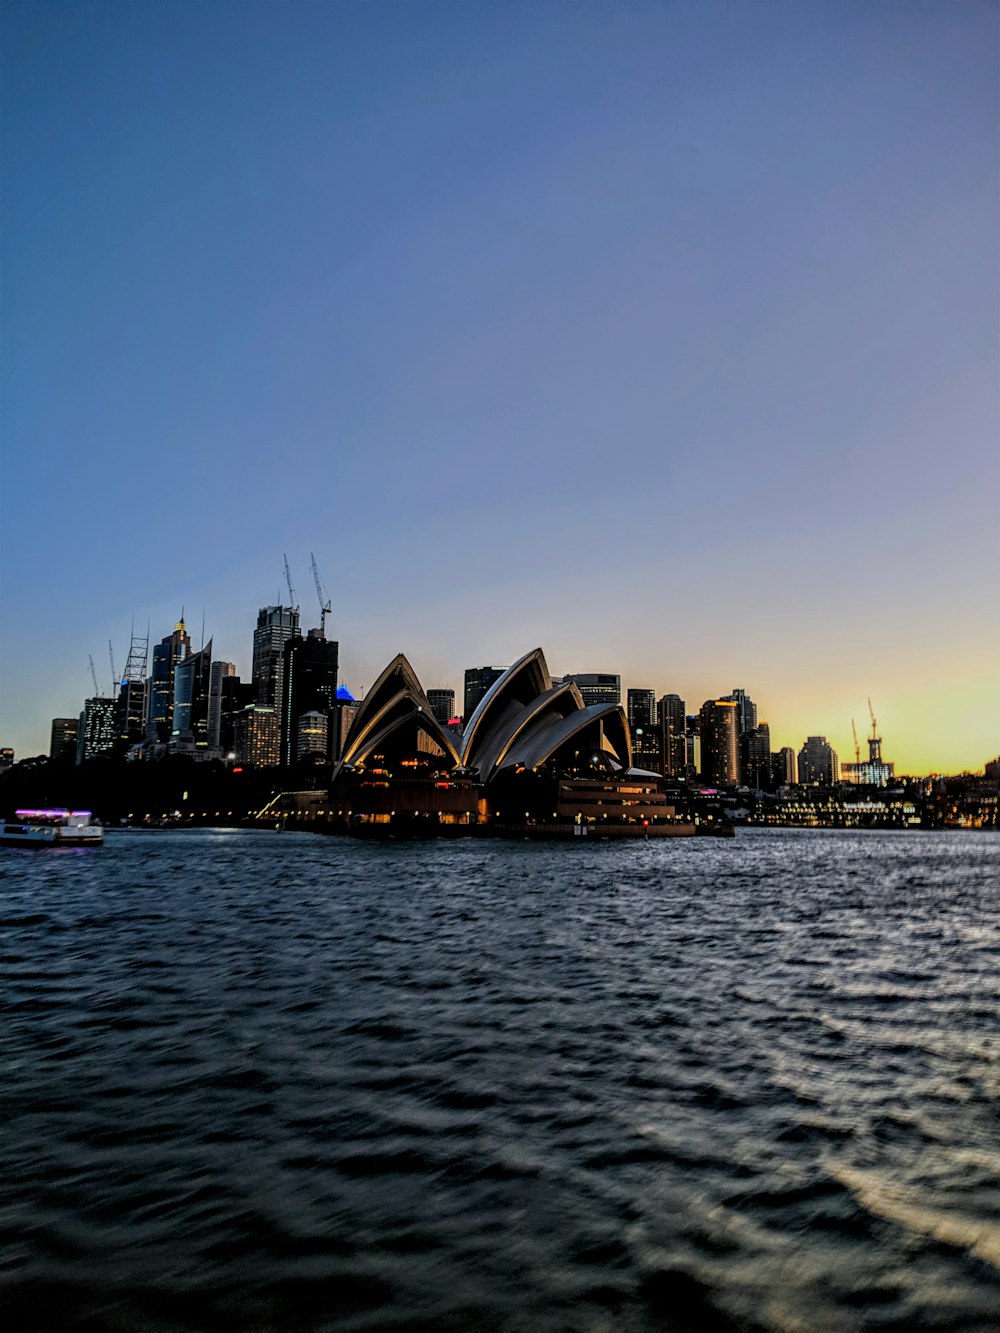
<point x="192" y="686"/>
<point x="719" y="742"/>
<point x="534" y="756"/>
<point x="276" y="625"/>
<point x="96" y="733"/>
<point x="672" y="724"/>
<point x="160" y="707"/>
<point x="641" y="711"/>
<point x="312" y="737"/>
<point x="258" y="736"/>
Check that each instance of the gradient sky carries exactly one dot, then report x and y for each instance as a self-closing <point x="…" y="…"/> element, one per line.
<point x="664" y="336"/>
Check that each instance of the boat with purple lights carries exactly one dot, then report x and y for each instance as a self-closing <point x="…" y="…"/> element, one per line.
<point x="52" y="828"/>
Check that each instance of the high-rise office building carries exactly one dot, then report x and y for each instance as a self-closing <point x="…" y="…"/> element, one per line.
<point x="755" y="758"/>
<point x="641" y="711"/>
<point x="746" y="712"/>
<point x="784" y="767"/>
<point x="160" y="692"/>
<point x="192" y="686"/>
<point x="258" y="736"/>
<point x="598" y="687"/>
<point x="641" y="708"/>
<point x="442" y="704"/>
<point x="671" y="719"/>
<point x="130" y="714"/>
<point x="96" y="734"/>
<point x="276" y="625"/>
<point x="234" y="696"/>
<point x="819" y="765"/>
<point x="62" y="744"/>
<point x="719" y="752"/>
<point x="477" y="682"/>
<point x="221" y="672"/>
<point x="692" y="744"/>
<point x="312" y="737"/>
<point x="309" y="680"/>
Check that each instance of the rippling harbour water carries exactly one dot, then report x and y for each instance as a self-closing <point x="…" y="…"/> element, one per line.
<point x="269" y="1081"/>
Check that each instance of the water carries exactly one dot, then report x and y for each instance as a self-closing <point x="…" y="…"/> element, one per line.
<point x="275" y="1081"/>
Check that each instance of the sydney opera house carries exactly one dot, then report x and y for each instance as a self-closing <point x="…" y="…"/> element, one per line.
<point x="532" y="758"/>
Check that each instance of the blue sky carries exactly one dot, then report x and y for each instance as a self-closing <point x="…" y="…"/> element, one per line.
<point x="662" y="335"/>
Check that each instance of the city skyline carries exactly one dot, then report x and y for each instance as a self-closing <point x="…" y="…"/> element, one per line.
<point x="666" y="328"/>
<point x="247" y="666"/>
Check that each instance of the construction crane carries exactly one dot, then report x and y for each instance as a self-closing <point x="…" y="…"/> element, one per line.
<point x="857" y="753"/>
<point x="114" y="673"/>
<point x="875" y="740"/>
<point x="325" y="606"/>
<point x="93" y="677"/>
<point x="291" y="591"/>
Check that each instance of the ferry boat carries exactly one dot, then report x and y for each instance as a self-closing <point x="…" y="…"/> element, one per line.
<point x="52" y="828"/>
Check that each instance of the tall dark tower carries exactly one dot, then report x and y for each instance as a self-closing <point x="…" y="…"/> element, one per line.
<point x="275" y="626"/>
<point x="192" y="682"/>
<point x="477" y="681"/>
<point x="310" y="686"/>
<point x="160" y="706"/>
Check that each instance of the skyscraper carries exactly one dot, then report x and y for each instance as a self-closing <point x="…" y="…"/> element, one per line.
<point x="477" y="682"/>
<point x="130" y="713"/>
<point x="646" y="745"/>
<point x="671" y="720"/>
<point x="62" y="745"/>
<point x="784" y="767"/>
<point x="641" y="708"/>
<point x="818" y="763"/>
<point x="192" y="682"/>
<point x="309" y="680"/>
<point x="96" y="735"/>
<point x="160" y="706"/>
<point x="312" y="737"/>
<point x="746" y="711"/>
<point x="275" y="626"/>
<point x="221" y="671"/>
<point x="257" y="739"/>
<point x="719" y="753"/>
<point x="755" y="758"/>
<point x="442" y="704"/>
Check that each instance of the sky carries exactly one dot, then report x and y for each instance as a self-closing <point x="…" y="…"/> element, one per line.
<point x="664" y="336"/>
